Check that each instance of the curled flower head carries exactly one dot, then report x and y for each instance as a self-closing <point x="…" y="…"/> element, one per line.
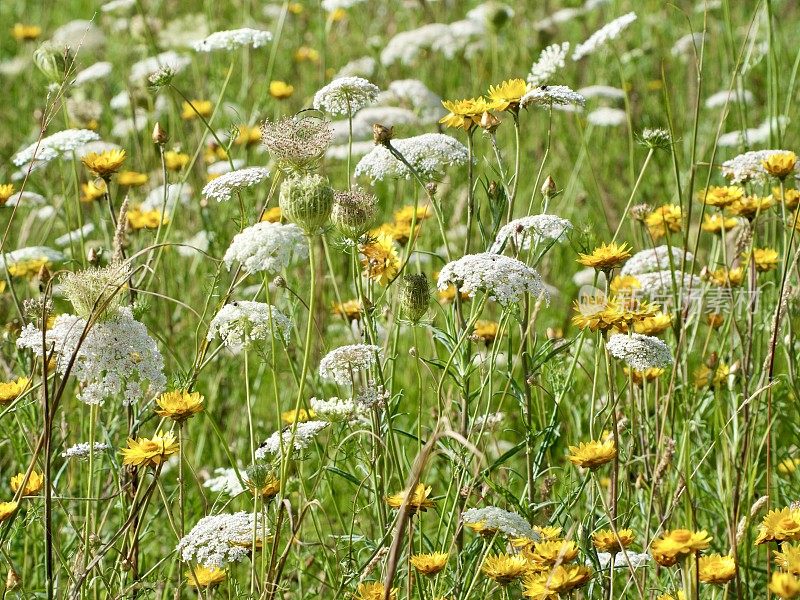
<point x="297" y="143"/>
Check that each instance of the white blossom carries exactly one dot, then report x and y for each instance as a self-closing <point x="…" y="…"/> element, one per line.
<point x="142" y="70"/>
<point x="549" y="95"/>
<point x="54" y="146"/>
<point x="345" y="95"/>
<point x="506" y="280"/>
<point x="359" y="67"/>
<point x="602" y="36"/>
<point x="342" y="363"/>
<point x="233" y="39"/>
<point x="492" y="518"/>
<point x="531" y="230"/>
<point x="429" y="154"/>
<point x="84" y="449"/>
<point x="551" y="61"/>
<point x="99" y="70"/>
<point x="267" y="247"/>
<point x="606" y="92"/>
<point x="606" y="116"/>
<point x="336" y="409"/>
<point x="638" y="351"/>
<point x="748" y="166"/>
<point x="636" y="559"/>
<point x="655" y="259"/>
<point x="333" y="5"/>
<point x="225" y="481"/>
<point x="74" y="235"/>
<point x="300" y="440"/>
<point x="240" y="323"/>
<point x="29" y="253"/>
<point x="217" y="540"/>
<point x="222" y="187"/>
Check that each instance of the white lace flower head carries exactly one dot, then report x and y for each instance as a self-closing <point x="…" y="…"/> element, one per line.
<point x="429" y="154"/>
<point x="267" y="247"/>
<point x="300" y="440"/>
<point x="243" y="322"/>
<point x="640" y="352"/>
<point x="655" y="259"/>
<point x="550" y="95"/>
<point x="602" y="36"/>
<point x="217" y="540"/>
<point x="233" y="39"/>
<point x="54" y="146"/>
<point x="223" y="187"/>
<point x="551" y="61"/>
<point x="492" y="518"/>
<point x="345" y="96"/>
<point x="343" y="363"/>
<point x="531" y="230"/>
<point x="506" y="280"/>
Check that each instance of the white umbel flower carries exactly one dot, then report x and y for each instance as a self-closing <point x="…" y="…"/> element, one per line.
<point x="222" y="188"/>
<point x="95" y="72"/>
<point x="726" y="97"/>
<point x="225" y="481"/>
<point x="640" y="352"/>
<point x="141" y="71"/>
<point x="233" y="39"/>
<point x="552" y="95"/>
<point x="84" y="449"/>
<point x="551" y="61"/>
<point x="346" y="96"/>
<point x="267" y="247"/>
<point x="492" y="518"/>
<point x="658" y="285"/>
<point x="605" y="116"/>
<point x="300" y="440"/>
<point x="217" y="540"/>
<point x="243" y="322"/>
<point x="54" y="146"/>
<point x="636" y="559"/>
<point x="655" y="259"/>
<point x="22" y="255"/>
<point x="334" y="5"/>
<point x="506" y="280"/>
<point x="606" y="92"/>
<point x="748" y="166"/>
<point x="602" y="36"/>
<point x="531" y="230"/>
<point x="429" y="154"/>
<point x="336" y="409"/>
<point x="341" y="364"/>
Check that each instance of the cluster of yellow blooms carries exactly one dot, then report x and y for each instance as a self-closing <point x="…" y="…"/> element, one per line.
<point x="476" y="112"/>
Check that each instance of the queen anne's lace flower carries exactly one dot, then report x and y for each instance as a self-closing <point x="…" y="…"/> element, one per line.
<point x="506" y="280"/>
<point x="655" y="259"/>
<point x="333" y="5"/>
<point x="725" y="97"/>
<point x="607" y="92"/>
<point x="217" y="540"/>
<point x="84" y="449"/>
<point x="54" y="146"/>
<point x="659" y="284"/>
<point x="602" y="36"/>
<point x="452" y="39"/>
<point x="342" y="363"/>
<point x="549" y="95"/>
<point x="225" y="481"/>
<point x="606" y="116"/>
<point x="640" y="351"/>
<point x="429" y="154"/>
<point x="748" y="166"/>
<point x="240" y="323"/>
<point x="117" y="357"/>
<point x="141" y="71"/>
<point x="267" y="247"/>
<point x="225" y="185"/>
<point x="300" y="440"/>
<point x="336" y="409"/>
<point x="345" y="95"/>
<point x="99" y="70"/>
<point x="550" y="62"/>
<point x="531" y="230"/>
<point x="31" y="253"/>
<point x="414" y="93"/>
<point x="492" y="518"/>
<point x="233" y="39"/>
<point x="636" y="559"/>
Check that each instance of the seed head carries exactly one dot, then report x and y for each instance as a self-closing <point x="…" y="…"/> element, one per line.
<point x="415" y="295"/>
<point x="353" y="212"/>
<point x="306" y="201"/>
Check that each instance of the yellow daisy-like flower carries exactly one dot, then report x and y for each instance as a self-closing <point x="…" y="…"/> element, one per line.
<point x="788" y="466"/>
<point x="675" y="544"/>
<point x="400" y="232"/>
<point x="485" y="331"/>
<point x="779" y="526"/>
<point x="606" y="256"/>
<point x="598" y="313"/>
<point x="302" y="415"/>
<point x="664" y="219"/>
<point x="175" y="160"/>
<point x="724" y="277"/>
<point x="464" y="114"/>
<point x="150" y="452"/>
<point x="179" y="405"/>
<point x="784" y="585"/>
<point x="23" y="33"/>
<point x="106" y="163"/>
<point x="6" y="191"/>
<point x="247" y="136"/>
<point x="145" y="219"/>
<point x="374" y="591"/>
<point x="780" y="164"/>
<point x="507" y="95"/>
<point x="205" y="577"/>
<point x="380" y="259"/>
<point x="624" y="285"/>
<point x="131" y="178"/>
<point x="788" y="558"/>
<point x="549" y="585"/>
<point x="718" y="223"/>
<point x="547" y="532"/>
<point x="429" y="564"/>
<point x="272" y="215"/>
<point x="654" y="325"/>
<point x="543" y="555"/>
<point x="418" y="501"/>
<point x="766" y="259"/>
<point x="306" y="54"/>
<point x="280" y="90"/>
<point x="407" y="214"/>
<point x="716" y="569"/>
<point x="32" y="487"/>
<point x="350" y="310"/>
<point x="706" y="376"/>
<point x="605" y="540"/>
<point x="750" y="206"/>
<point x="721" y="196"/>
<point x="640" y="377"/>
<point x="28" y="268"/>
<point x="791" y="197"/>
<point x="196" y="108"/>
<point x="504" y="568"/>
<point x="592" y="454"/>
<point x="7" y="510"/>
<point x="679" y="596"/>
<point x="93" y="190"/>
<point x="11" y="390"/>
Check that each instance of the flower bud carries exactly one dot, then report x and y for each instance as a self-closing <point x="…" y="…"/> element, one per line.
<point x="262" y="481"/>
<point x="353" y="212"/>
<point x="381" y="134"/>
<point x="549" y="188"/>
<point x="51" y="61"/>
<point x="306" y="201"/>
<point x="415" y="294"/>
<point x="489" y="122"/>
<point x="160" y="136"/>
<point x="13" y="580"/>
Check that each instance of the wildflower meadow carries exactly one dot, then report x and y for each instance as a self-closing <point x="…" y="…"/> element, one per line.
<point x="399" y="299"/>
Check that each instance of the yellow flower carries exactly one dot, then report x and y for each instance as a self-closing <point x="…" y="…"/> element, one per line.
<point x="780" y="526"/>
<point x="32" y="487"/>
<point x="766" y="259"/>
<point x="606" y="256"/>
<point x="654" y="325"/>
<point x="11" y="390"/>
<point x="788" y="466"/>
<point x="504" y="568"/>
<point x="175" y="161"/>
<point x="679" y="596"/>
<point x="407" y="214"/>
<point x="302" y="415"/>
<point x="705" y="376"/>
<point x="194" y="108"/>
<point x="418" y="501"/>
<point x="106" y="163"/>
<point x="716" y="569"/>
<point x="269" y="488"/>
<point x="672" y="545"/>
<point x="295" y="8"/>
<point x="350" y="310"/>
<point x="304" y="53"/>
<point x="131" y="178"/>
<point x="507" y="94"/>
<point x="380" y="259"/>
<point x="464" y="114"/>
<point x="374" y="591"/>
<point x="6" y="190"/>
<point x="22" y="32"/>
<point x="247" y="136"/>
<point x="718" y="223"/>
<point x="399" y="232"/>
<point x="791" y="197"/>
<point x="750" y="206"/>
<point x="640" y="377"/>
<point x="543" y="555"/>
<point x="592" y="454"/>
<point x="485" y="331"/>
<point x="561" y="580"/>
<point x="606" y="541"/>
<point x="280" y="90"/>
<point x="272" y="215"/>
<point x="93" y="190"/>
<point x="146" y="219"/>
<point x="788" y="558"/>
<point x="7" y="509"/>
<point x="664" y="219"/>
<point x="338" y="15"/>
<point x="547" y="532"/>
<point x="150" y="452"/>
<point x="623" y="285"/>
<point x="28" y="268"/>
<point x="429" y="564"/>
<point x="724" y="277"/>
<point x="205" y="577"/>
<point x="721" y="196"/>
<point x="784" y="585"/>
<point x="598" y="313"/>
<point x="179" y="405"/>
<point x="780" y="164"/>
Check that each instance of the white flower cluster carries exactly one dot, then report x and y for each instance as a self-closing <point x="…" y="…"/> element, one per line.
<point x="686" y="44"/>
<point x="753" y="135"/>
<point x="724" y="97"/>
<point x="266" y="247"/>
<point x="74" y="235"/>
<point x="341" y="364"/>
<point x="488" y="421"/>
<point x="658" y="284"/>
<point x="54" y="146"/>
<point x="606" y="92"/>
<point x="221" y="188"/>
<point x="362" y="67"/>
<point x="609" y="31"/>
<point x="21" y="255"/>
<point x="449" y="39"/>
<point x="84" y="449"/>
<point x="301" y="439"/>
<point x="551" y="61"/>
<point x="372" y="396"/>
<point x="429" y="154"/>
<point x="639" y="351"/>
<point x="99" y="70"/>
<point x="337" y="409"/>
<point x="414" y="93"/>
<point x="606" y="116"/>
<point x="621" y="559"/>
<point x="142" y="70"/>
<point x="117" y="356"/>
<point x="748" y="166"/>
<point x="549" y="95"/>
<point x="333" y="5"/>
<point x="225" y="481"/>
<point x="506" y="522"/>
<point x="655" y="259"/>
<point x="506" y="280"/>
<point x="26" y="199"/>
<point x="346" y="95"/>
<point x="233" y="39"/>
<point x="217" y="540"/>
<point x="531" y="230"/>
<point x="240" y="323"/>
